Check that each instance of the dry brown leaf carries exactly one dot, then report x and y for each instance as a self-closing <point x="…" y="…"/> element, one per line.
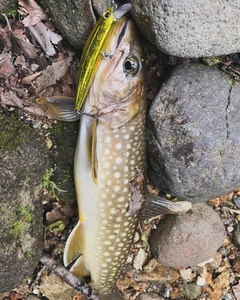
<point x="45" y="37"/>
<point x="34" y="13"/>
<point x="236" y="290"/>
<point x="26" y="47"/>
<point x="28" y="79"/>
<point x="52" y="74"/>
<point x="10" y="98"/>
<point x="6" y="67"/>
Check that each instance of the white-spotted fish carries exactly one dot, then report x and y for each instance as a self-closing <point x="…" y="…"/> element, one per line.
<point x="110" y="162"/>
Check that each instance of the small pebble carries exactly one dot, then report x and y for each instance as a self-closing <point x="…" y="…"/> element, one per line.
<point x="200" y="281"/>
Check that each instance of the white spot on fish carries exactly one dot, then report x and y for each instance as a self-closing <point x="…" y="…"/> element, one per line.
<point x="116" y="188"/>
<point x="117" y="136"/>
<point x="104" y="265"/>
<point x="109" y="203"/>
<point x="111" y="248"/>
<point x="111" y="237"/>
<point x="118" y="160"/>
<point x="106" y="166"/>
<point x="118" y="219"/>
<point x="107" y="243"/>
<point x="127" y="153"/>
<point x="120" y="199"/>
<point x="107" y="151"/>
<point x="117" y="175"/>
<point x="102" y="204"/>
<point x="103" y="195"/>
<point x="126" y="223"/>
<point x="106" y="254"/>
<point x="108" y="139"/>
<point x="132" y="128"/>
<point x="118" y="146"/>
<point x="126" y="169"/>
<point x="132" y="162"/>
<point x="126" y="137"/>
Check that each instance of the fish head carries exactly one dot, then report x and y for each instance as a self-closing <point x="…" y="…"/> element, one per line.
<point x="118" y="88"/>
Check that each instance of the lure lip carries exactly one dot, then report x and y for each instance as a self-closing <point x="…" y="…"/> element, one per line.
<point x="121" y="11"/>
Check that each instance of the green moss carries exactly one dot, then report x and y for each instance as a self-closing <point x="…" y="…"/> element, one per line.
<point x="17" y="227"/>
<point x="10" y="13"/>
<point x="28" y="255"/>
<point x="11" y="134"/>
<point x="49" y="185"/>
<point x="24" y="215"/>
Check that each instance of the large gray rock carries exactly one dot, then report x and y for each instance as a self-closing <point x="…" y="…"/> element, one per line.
<point x="188" y="239"/>
<point x="193" y="134"/>
<point x="23" y="161"/>
<point x="189" y="28"/>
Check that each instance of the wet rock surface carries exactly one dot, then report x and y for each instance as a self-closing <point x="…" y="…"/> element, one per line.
<point x="23" y="161"/>
<point x="190" y="30"/>
<point x="193" y="134"/>
<point x="188" y="239"/>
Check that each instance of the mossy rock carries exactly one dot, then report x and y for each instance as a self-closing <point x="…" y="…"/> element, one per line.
<point x="23" y="161"/>
<point x="64" y="137"/>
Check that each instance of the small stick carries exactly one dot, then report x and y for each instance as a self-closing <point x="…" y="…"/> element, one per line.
<point x="85" y="289"/>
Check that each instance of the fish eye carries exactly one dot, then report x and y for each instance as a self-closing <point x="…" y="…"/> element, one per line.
<point x="131" y="65"/>
<point x="106" y="15"/>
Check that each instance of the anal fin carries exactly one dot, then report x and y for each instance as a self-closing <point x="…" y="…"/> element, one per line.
<point x="79" y="268"/>
<point x="156" y="205"/>
<point x="75" y="244"/>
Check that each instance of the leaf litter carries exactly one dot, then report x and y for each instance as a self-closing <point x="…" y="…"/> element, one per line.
<point x="34" y="62"/>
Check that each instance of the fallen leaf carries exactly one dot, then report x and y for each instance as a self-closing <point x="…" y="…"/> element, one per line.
<point x="26" y="47"/>
<point x="236" y="290"/>
<point x="52" y="74"/>
<point x="32" y="11"/>
<point x="10" y="98"/>
<point x="28" y="79"/>
<point x="45" y="37"/>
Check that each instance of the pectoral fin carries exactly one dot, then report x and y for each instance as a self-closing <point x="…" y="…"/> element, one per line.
<point x="75" y="244"/>
<point x="59" y="108"/>
<point x="155" y="206"/>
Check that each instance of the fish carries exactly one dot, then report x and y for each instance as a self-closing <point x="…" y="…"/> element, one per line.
<point x="93" y="50"/>
<point x="110" y="163"/>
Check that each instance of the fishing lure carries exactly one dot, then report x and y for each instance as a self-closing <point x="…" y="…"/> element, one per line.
<point x="93" y="51"/>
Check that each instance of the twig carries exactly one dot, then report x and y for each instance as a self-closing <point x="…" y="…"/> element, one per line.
<point x="85" y="289"/>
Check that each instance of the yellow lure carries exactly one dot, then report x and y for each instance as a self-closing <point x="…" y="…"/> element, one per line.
<point x="93" y="52"/>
